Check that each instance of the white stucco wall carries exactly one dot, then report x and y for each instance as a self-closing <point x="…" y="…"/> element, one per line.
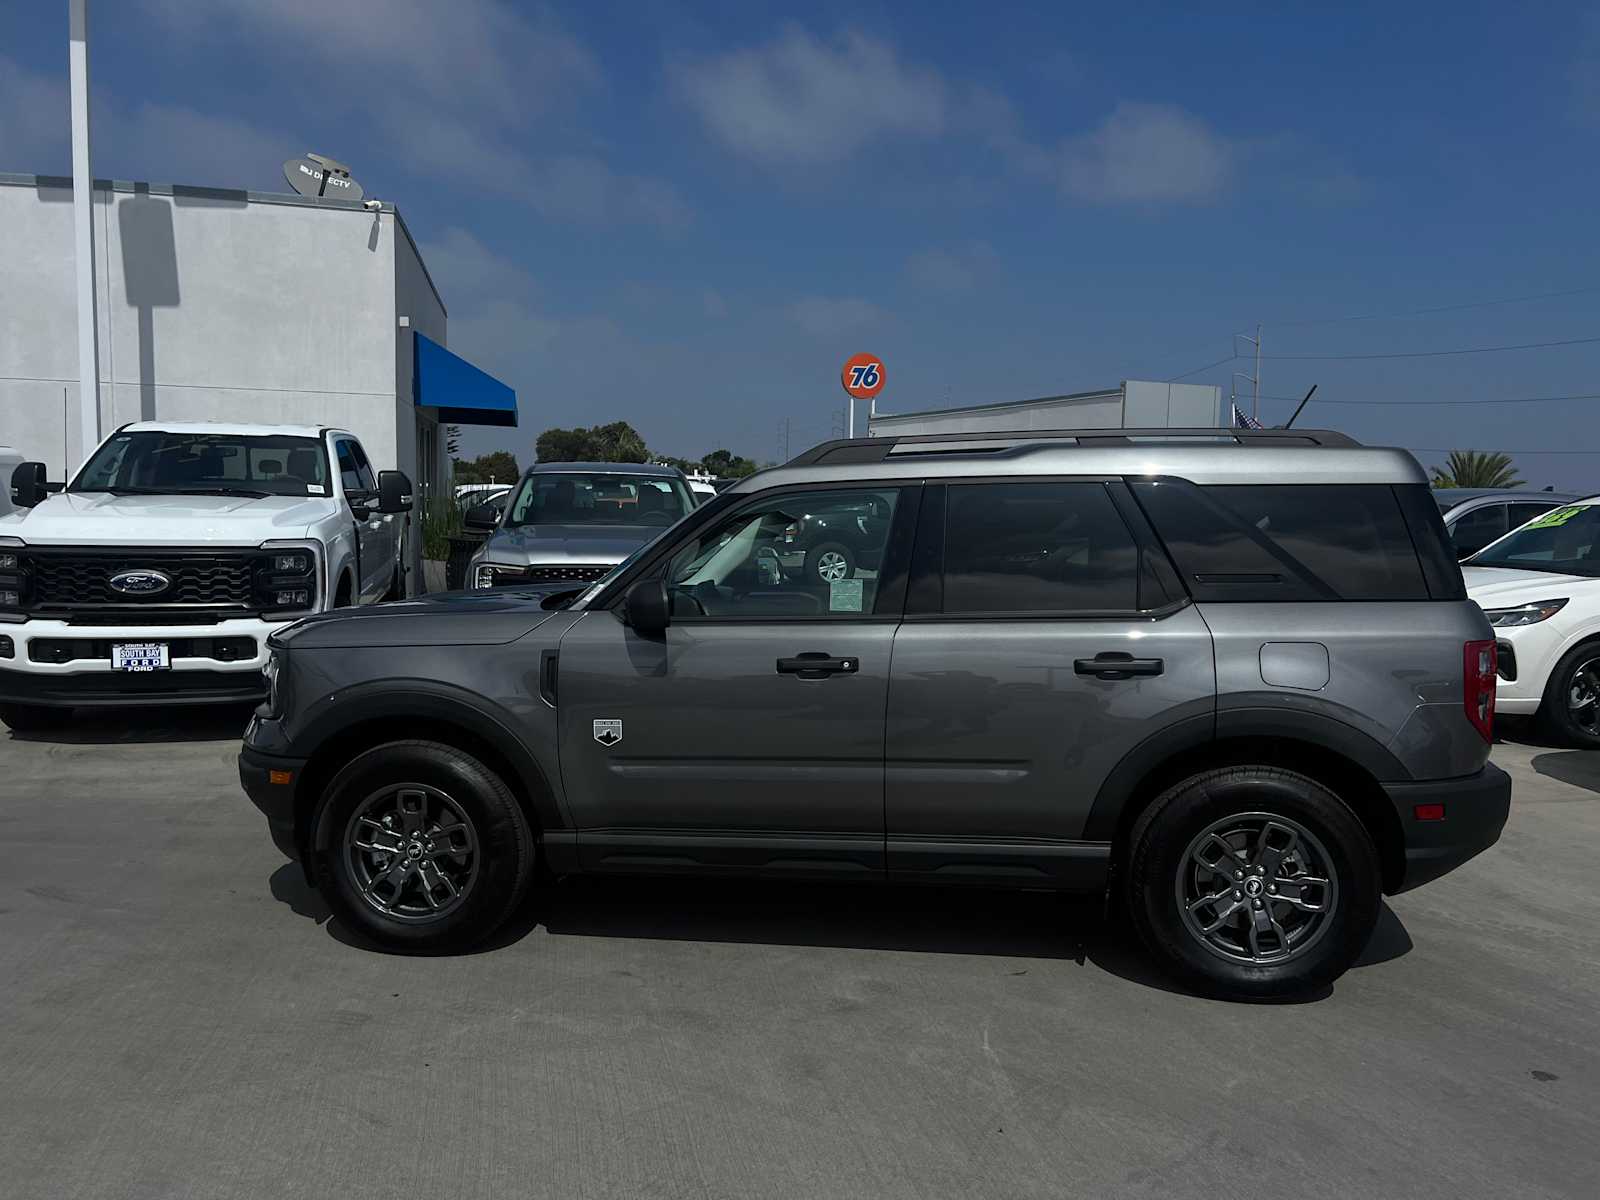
<point x="213" y="305"/>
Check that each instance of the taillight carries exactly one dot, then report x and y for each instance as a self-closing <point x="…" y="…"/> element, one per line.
<point x="1477" y="686"/>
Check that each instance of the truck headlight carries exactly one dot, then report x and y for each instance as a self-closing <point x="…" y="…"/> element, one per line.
<point x="488" y="575"/>
<point x="1525" y="614"/>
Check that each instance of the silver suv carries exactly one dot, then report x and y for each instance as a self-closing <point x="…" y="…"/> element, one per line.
<point x="1229" y="679"/>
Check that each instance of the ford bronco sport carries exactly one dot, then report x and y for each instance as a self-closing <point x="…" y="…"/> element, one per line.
<point x="1230" y="679"/>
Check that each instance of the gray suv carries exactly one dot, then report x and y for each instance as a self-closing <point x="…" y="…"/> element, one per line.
<point x="1230" y="680"/>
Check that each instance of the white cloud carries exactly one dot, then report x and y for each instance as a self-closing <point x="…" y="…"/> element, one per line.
<point x="464" y="267"/>
<point x="1147" y="153"/>
<point x="953" y="270"/>
<point x="34" y="122"/>
<point x="830" y="317"/>
<point x="803" y="101"/>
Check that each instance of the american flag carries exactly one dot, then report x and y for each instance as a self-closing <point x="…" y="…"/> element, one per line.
<point x="1243" y="420"/>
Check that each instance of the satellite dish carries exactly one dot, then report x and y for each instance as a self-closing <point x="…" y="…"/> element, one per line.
<point x="321" y="177"/>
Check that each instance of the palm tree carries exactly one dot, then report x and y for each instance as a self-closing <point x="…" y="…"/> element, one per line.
<point x="1477" y="469"/>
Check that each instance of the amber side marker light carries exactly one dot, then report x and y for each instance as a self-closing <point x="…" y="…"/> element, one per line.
<point x="288" y="777"/>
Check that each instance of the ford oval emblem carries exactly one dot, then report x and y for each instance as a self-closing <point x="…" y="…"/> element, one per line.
<point x="140" y="582"/>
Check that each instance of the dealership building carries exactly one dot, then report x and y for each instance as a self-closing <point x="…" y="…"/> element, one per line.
<point x="230" y="306"/>
<point x="1135" y="404"/>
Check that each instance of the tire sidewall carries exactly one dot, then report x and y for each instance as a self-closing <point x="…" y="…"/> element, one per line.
<point x="1555" y="708"/>
<point x="505" y="846"/>
<point x="1195" y="804"/>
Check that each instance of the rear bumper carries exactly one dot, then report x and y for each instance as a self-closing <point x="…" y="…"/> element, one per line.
<point x="1475" y="808"/>
<point x="275" y="800"/>
<point x="101" y="689"/>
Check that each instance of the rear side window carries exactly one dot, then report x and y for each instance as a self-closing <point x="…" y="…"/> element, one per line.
<point x="1258" y="543"/>
<point x="1037" y="547"/>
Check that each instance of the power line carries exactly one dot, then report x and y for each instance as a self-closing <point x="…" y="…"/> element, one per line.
<point x="1433" y="353"/>
<point x="1465" y="450"/>
<point x="1197" y="370"/>
<point x="1420" y="312"/>
<point x="1433" y="403"/>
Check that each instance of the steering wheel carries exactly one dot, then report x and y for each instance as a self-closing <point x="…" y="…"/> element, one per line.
<point x="655" y="517"/>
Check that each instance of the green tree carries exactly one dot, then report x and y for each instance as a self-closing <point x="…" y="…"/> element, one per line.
<point x="616" y="442"/>
<point x="500" y="466"/>
<point x="1477" y="469"/>
<point x="727" y="465"/>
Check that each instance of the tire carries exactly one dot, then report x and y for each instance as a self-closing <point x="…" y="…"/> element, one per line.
<point x="1557" y="710"/>
<point x="341" y="597"/>
<point x="396" y="587"/>
<point x="1300" y="950"/>
<point x="33" y="719"/>
<point x="829" y="562"/>
<point x="454" y="820"/>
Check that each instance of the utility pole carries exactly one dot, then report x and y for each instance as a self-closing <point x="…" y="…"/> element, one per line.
<point x="1255" y="379"/>
<point x="83" y="234"/>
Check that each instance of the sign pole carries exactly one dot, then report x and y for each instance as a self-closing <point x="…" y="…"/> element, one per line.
<point x="83" y="236"/>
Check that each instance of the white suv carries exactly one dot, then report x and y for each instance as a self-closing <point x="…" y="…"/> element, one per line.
<point x="156" y="574"/>
<point x="1540" y="586"/>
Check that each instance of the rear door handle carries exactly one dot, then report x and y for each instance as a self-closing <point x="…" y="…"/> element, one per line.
<point x="1114" y="664"/>
<point x="816" y="665"/>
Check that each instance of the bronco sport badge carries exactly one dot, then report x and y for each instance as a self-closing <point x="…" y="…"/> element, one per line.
<point x="608" y="733"/>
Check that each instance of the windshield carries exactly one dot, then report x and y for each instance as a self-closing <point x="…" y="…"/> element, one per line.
<point x="579" y="498"/>
<point x="159" y="463"/>
<point x="1564" y="540"/>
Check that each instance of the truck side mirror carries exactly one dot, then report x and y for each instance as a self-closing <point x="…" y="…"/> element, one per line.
<point x="482" y="516"/>
<point x="648" y="608"/>
<point x="394" y="492"/>
<point x="27" y="484"/>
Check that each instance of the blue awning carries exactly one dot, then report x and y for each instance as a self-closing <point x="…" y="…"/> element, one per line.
<point x="463" y="394"/>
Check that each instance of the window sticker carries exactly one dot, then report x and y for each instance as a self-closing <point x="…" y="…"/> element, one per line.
<point x="1556" y="516"/>
<point x="316" y="489"/>
<point x="844" y="595"/>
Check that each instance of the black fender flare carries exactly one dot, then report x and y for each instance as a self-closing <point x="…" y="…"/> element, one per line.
<point x="1232" y="724"/>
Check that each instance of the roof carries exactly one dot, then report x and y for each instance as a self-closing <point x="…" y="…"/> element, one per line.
<point x="1101" y="394"/>
<point x="1450" y="496"/>
<point x="1206" y="456"/>
<point x="242" y="428"/>
<point x="654" y="470"/>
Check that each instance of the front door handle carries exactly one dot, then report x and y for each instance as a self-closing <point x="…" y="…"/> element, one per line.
<point x="816" y="665"/>
<point x="1114" y="664"/>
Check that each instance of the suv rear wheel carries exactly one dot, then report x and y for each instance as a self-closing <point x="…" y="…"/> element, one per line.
<point x="421" y="847"/>
<point x="1253" y="882"/>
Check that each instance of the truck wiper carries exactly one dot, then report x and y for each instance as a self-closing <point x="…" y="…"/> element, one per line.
<point x="221" y="491"/>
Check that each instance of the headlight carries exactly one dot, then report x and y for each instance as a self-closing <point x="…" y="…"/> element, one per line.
<point x="1527" y="614"/>
<point x="272" y="673"/>
<point x="488" y="575"/>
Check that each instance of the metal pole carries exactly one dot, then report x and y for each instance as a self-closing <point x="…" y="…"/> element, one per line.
<point x="1255" y="397"/>
<point x="852" y="432"/>
<point x="83" y="233"/>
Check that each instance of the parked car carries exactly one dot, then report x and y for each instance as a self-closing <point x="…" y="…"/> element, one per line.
<point x="1540" y="587"/>
<point x="1474" y="517"/>
<point x="836" y="537"/>
<point x="158" y="572"/>
<point x="1237" y="687"/>
<point x="574" y="522"/>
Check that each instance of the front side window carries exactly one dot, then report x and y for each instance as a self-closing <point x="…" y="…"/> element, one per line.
<point x="803" y="554"/>
<point x="161" y="463"/>
<point x="1037" y="547"/>
<point x="349" y="469"/>
<point x="1564" y="540"/>
<point x="582" y="498"/>
<point x="1474" y="530"/>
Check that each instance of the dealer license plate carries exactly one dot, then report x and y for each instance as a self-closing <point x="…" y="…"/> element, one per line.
<point x="141" y="656"/>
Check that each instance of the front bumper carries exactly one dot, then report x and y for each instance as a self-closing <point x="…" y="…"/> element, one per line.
<point x="275" y="800"/>
<point x="1475" y="808"/>
<point x="59" y="664"/>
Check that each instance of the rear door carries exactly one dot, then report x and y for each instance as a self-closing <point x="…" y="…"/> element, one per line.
<point x="1045" y="637"/>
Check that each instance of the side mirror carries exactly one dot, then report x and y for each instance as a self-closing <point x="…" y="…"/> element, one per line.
<point x="482" y="516"/>
<point x="648" y="608"/>
<point x="394" y="492"/>
<point x="27" y="484"/>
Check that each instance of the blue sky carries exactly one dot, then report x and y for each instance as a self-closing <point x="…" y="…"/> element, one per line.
<point x="687" y="215"/>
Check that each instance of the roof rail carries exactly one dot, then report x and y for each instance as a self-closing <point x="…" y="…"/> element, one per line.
<point x="871" y="450"/>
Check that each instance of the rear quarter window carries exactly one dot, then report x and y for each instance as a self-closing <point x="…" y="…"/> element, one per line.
<point x="1298" y="542"/>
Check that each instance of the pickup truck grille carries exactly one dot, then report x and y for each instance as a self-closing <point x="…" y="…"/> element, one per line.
<point x="548" y="574"/>
<point x="77" y="580"/>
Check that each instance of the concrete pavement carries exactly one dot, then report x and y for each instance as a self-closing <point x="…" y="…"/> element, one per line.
<point x="178" y="1018"/>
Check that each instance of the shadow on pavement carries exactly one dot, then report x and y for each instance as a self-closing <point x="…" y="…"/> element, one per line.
<point x="860" y="917"/>
<point x="1580" y="768"/>
<point x="149" y="723"/>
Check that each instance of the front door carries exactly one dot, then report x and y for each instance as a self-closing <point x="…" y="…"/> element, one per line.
<point x="1041" y="644"/>
<point x="748" y="737"/>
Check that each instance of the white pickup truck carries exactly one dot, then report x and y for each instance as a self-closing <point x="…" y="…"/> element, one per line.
<point x="157" y="572"/>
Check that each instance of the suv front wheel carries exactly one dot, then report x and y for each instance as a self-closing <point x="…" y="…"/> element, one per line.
<point x="420" y="846"/>
<point x="1253" y="882"/>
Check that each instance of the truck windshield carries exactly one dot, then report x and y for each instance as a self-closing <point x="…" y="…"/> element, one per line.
<point x="1564" y="540"/>
<point x="156" y="462"/>
<point x="580" y="498"/>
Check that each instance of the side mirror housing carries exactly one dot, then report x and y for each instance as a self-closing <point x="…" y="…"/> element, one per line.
<point x="27" y="484"/>
<point x="395" y="494"/>
<point x="648" y="607"/>
<point x="482" y="516"/>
